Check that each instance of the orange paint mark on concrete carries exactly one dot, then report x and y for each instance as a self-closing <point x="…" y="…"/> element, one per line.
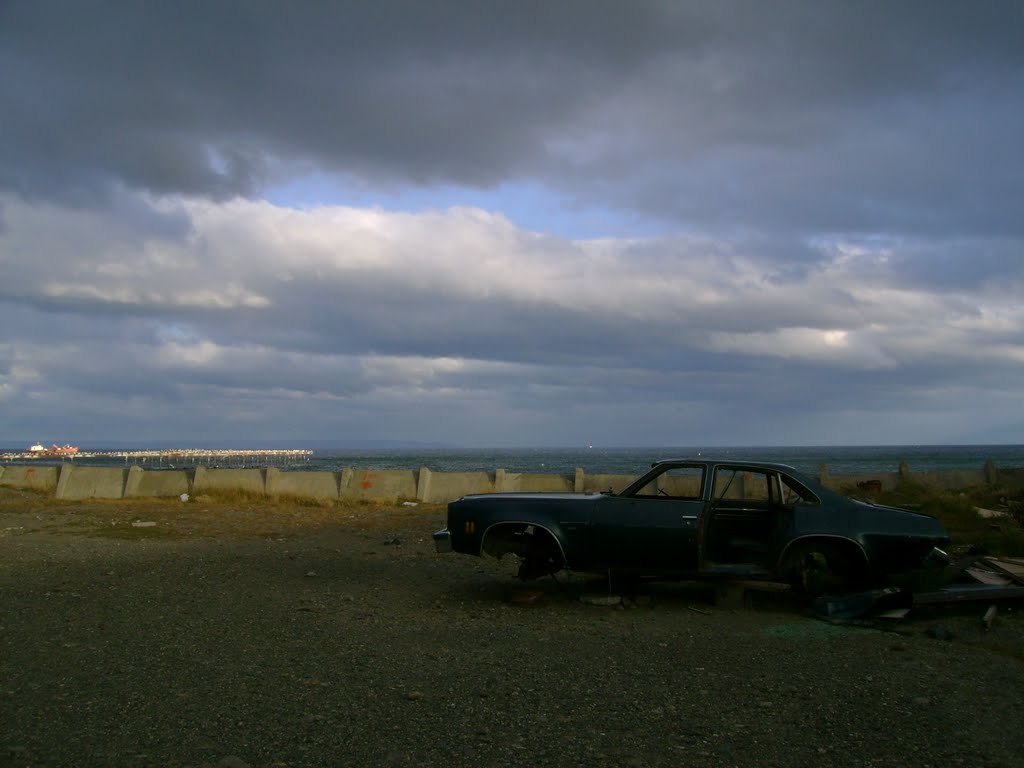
<point x="366" y="484"/>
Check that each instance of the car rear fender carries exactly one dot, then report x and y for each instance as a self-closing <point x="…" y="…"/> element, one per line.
<point x="549" y="533"/>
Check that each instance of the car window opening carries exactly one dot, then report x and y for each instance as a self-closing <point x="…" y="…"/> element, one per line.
<point x="746" y="519"/>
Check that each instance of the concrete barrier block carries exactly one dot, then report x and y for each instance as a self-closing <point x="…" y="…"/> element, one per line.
<point x="131" y="485"/>
<point x="63" y="477"/>
<point x="270" y="483"/>
<point x="91" y="482"/>
<point x="604" y="483"/>
<point x="309" y="485"/>
<point x="241" y="480"/>
<point x="347" y="476"/>
<point x="423" y="484"/>
<point x="157" y="483"/>
<point x="35" y="478"/>
<point x="549" y="483"/>
<point x="381" y="485"/>
<point x="519" y="482"/>
<point x="448" y="486"/>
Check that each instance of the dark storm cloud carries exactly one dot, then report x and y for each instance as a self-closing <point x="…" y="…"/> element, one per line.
<point x="188" y="97"/>
<point x="836" y="190"/>
<point x="801" y="115"/>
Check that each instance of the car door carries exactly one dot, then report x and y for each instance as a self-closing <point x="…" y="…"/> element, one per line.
<point x="653" y="529"/>
<point x="743" y="519"/>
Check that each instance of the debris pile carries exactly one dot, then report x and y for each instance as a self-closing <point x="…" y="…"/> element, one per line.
<point x="974" y="577"/>
<point x="978" y="577"/>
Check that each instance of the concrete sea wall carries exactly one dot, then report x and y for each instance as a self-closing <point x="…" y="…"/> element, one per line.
<point x="69" y="481"/>
<point x="33" y="478"/>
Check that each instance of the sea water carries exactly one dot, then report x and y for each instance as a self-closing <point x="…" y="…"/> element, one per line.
<point x="841" y="460"/>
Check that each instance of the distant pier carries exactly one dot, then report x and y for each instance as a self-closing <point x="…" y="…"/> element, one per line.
<point x="179" y="457"/>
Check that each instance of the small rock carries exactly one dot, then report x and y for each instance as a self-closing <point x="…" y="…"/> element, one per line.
<point x="413" y="696"/>
<point x="143" y="524"/>
<point x="940" y="633"/>
<point x="184" y="497"/>
<point x="311" y="573"/>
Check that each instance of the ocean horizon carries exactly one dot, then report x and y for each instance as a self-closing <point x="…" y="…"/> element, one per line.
<point x="841" y="460"/>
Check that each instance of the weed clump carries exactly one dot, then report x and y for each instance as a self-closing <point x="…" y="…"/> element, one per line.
<point x="958" y="511"/>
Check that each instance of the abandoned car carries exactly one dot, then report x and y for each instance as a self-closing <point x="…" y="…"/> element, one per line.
<point x="700" y="518"/>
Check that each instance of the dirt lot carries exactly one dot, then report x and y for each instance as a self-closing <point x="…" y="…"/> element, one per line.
<point x="273" y="635"/>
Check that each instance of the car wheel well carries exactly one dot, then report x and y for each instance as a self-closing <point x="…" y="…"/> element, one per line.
<point x="815" y="565"/>
<point x="538" y="549"/>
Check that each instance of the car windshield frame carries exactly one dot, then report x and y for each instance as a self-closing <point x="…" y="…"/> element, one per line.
<point x="632" y="491"/>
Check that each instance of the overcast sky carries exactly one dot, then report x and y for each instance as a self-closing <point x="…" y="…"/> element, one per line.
<point x="512" y="223"/>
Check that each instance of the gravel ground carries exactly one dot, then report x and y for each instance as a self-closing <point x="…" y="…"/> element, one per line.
<point x="247" y="635"/>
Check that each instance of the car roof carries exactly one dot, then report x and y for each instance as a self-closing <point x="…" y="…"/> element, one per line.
<point x="725" y="460"/>
<point x="796" y="474"/>
<point x="809" y="482"/>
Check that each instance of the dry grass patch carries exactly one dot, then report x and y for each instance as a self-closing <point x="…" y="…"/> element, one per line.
<point x="208" y="515"/>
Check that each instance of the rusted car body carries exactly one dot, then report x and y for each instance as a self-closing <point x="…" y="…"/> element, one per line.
<point x="699" y="518"/>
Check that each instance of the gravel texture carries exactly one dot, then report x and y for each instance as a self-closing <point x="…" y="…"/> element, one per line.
<point x="247" y="635"/>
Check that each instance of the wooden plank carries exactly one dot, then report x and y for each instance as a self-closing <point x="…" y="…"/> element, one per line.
<point x="989" y="577"/>
<point x="963" y="592"/>
<point x="1007" y="566"/>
